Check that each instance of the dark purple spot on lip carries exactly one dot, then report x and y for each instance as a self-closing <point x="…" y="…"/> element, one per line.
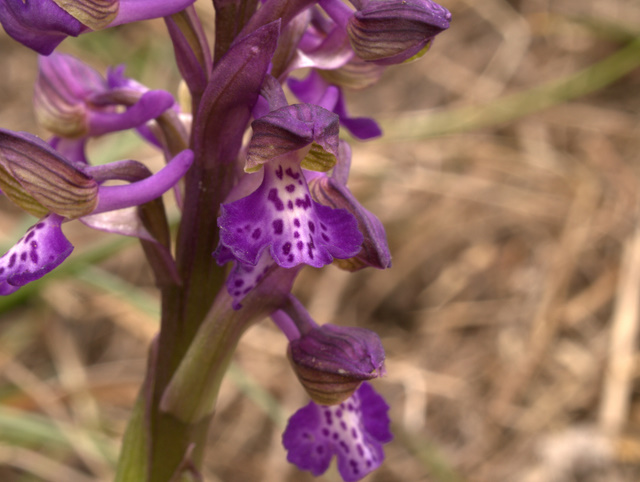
<point x="34" y="245"/>
<point x="296" y="234"/>
<point x="296" y="223"/>
<point x="238" y="283"/>
<point x="30" y="235"/>
<point x="23" y="256"/>
<point x="39" y="226"/>
<point x="286" y="248"/>
<point x="279" y="172"/>
<point x="278" y="226"/>
<point x="256" y="234"/>
<point x="312" y="226"/>
<point x="290" y="258"/>
<point x="360" y="450"/>
<point x="34" y="257"/>
<point x="273" y="197"/>
<point x="12" y="260"/>
<point x="344" y="446"/>
<point x="291" y="174"/>
<point x="290" y="205"/>
<point x="300" y="245"/>
<point x="323" y="227"/>
<point x="290" y="188"/>
<point x="325" y="237"/>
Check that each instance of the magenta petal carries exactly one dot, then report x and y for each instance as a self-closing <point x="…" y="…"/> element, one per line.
<point x="281" y="215"/>
<point x="353" y="431"/>
<point x="39" y="251"/>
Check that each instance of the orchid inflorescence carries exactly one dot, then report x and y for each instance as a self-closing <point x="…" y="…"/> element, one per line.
<point x="255" y="209"/>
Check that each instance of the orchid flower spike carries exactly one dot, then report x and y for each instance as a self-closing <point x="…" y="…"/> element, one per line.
<point x="35" y="177"/>
<point x="43" y="24"/>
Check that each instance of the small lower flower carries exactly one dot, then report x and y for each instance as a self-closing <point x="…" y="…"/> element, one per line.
<point x="353" y="431"/>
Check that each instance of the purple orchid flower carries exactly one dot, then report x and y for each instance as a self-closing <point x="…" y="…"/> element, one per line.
<point x="43" y="24"/>
<point x="38" y="179"/>
<point x="346" y="417"/>
<point x="280" y="214"/>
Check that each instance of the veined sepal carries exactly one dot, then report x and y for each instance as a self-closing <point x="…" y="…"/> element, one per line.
<point x="37" y="179"/>
<point x="393" y="31"/>
<point x="332" y="361"/>
<point x="292" y="128"/>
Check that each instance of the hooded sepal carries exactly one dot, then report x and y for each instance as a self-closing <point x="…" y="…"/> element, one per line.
<point x="292" y="128"/>
<point x="39" y="251"/>
<point x="353" y="431"/>
<point x="37" y="179"/>
<point x="332" y="361"/>
<point x="394" y="31"/>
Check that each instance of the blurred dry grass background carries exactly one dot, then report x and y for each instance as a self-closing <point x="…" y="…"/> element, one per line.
<point x="510" y="315"/>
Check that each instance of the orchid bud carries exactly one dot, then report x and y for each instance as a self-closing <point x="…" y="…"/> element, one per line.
<point x="394" y="31"/>
<point x="332" y="361"/>
<point x="37" y="179"/>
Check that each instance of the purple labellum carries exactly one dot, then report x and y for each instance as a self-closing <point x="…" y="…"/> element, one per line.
<point x="281" y="215"/>
<point x="39" y="251"/>
<point x="353" y="431"/>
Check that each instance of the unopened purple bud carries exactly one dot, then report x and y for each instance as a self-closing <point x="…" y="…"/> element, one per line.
<point x="394" y="31"/>
<point x="332" y="361"/>
<point x="37" y="179"/>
